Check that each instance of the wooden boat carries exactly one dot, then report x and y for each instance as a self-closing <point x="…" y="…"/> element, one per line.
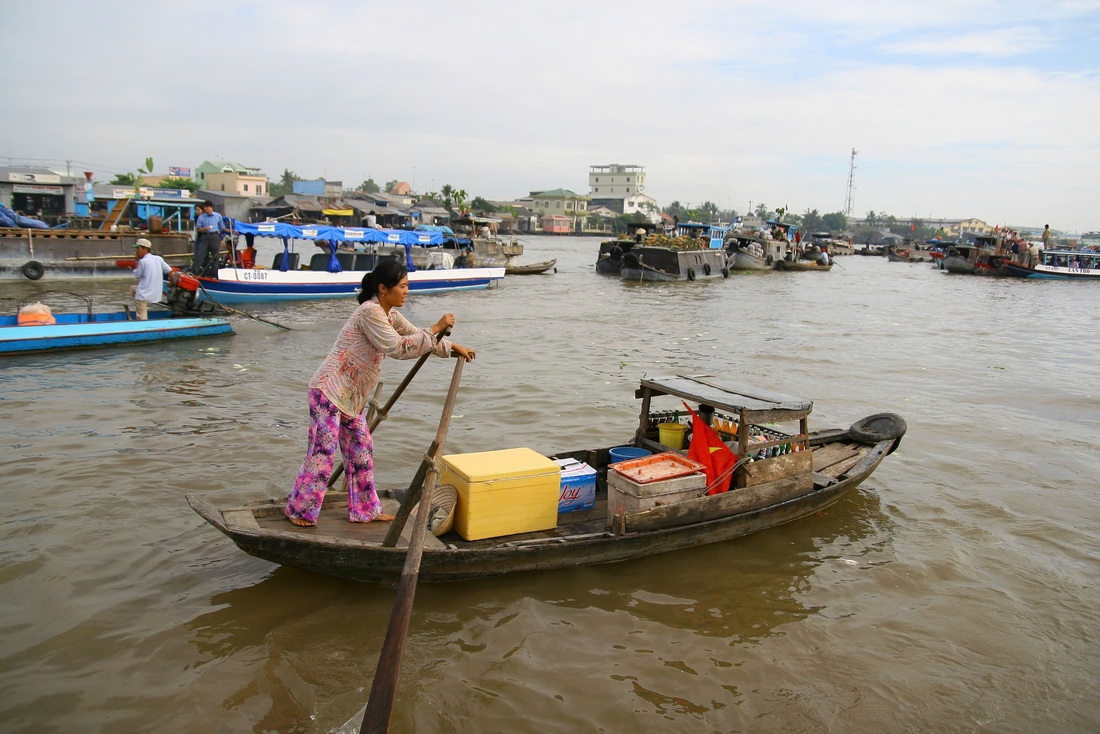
<point x="752" y="251"/>
<point x="693" y="251"/>
<point x="88" y="328"/>
<point x="804" y="474"/>
<point x="811" y="265"/>
<point x="895" y="255"/>
<point x="609" y="261"/>
<point x="1060" y="265"/>
<point x="532" y="269"/>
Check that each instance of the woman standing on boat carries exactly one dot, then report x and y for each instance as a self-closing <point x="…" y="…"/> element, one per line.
<point x="342" y="385"/>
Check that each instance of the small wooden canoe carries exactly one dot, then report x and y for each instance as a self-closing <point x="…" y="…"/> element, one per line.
<point x="532" y="269"/>
<point x="766" y="492"/>
<point x="802" y="265"/>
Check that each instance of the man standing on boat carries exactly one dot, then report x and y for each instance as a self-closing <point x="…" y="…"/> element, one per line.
<point x="150" y="272"/>
<point x="208" y="244"/>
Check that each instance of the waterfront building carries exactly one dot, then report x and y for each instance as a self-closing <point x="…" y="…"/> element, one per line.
<point x="232" y="178"/>
<point x="622" y="189"/>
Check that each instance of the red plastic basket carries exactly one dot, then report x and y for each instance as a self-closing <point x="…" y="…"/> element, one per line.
<point x="656" y="468"/>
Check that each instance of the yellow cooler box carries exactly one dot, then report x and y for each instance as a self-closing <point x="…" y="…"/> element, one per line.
<point x="503" y="492"/>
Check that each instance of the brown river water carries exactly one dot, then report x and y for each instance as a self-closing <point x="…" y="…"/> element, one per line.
<point x="956" y="590"/>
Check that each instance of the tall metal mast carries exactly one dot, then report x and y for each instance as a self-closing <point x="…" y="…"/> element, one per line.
<point x="851" y="185"/>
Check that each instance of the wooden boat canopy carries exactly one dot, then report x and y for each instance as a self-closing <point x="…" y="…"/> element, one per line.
<point x="722" y="393"/>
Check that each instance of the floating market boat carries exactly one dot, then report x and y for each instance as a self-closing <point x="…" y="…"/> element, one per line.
<point x="747" y="250"/>
<point x="63" y="254"/>
<point x="1060" y="264"/>
<point x="694" y="251"/>
<point x="512" y="511"/>
<point x="41" y="330"/>
<point x="531" y="269"/>
<point x="335" y="274"/>
<point x="809" y="265"/>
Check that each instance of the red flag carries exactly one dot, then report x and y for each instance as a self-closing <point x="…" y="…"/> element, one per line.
<point x="709" y="450"/>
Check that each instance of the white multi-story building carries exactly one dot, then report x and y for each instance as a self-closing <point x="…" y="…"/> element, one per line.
<point x="621" y="188"/>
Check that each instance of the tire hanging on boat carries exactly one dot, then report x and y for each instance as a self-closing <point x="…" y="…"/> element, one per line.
<point x="725" y="272"/>
<point x="691" y="274"/>
<point x="706" y="268"/>
<point x="33" y="270"/>
<point x="769" y="261"/>
<point x="877" y="427"/>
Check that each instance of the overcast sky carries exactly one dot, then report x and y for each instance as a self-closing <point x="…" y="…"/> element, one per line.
<point x="957" y="109"/>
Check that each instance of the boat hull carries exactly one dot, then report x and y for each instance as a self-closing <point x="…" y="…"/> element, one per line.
<point x="1047" y="272"/>
<point x="75" y="331"/>
<point x="802" y="265"/>
<point x="361" y="560"/>
<point x="741" y="260"/>
<point x="261" y="286"/>
<point x="532" y="269"/>
<point x="662" y="265"/>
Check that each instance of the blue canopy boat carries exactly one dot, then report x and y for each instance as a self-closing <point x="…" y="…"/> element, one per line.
<point x="338" y="273"/>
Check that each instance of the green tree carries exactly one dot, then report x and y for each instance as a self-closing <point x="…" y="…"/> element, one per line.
<point x="835" y="221"/>
<point x="762" y="211"/>
<point x="460" y="199"/>
<point x="871" y="219"/>
<point x="627" y="223"/>
<point x="447" y="192"/>
<point x="285" y="184"/>
<point x="175" y="182"/>
<point x="480" y="204"/>
<point x="369" y="186"/>
<point x="811" y="220"/>
<point x="390" y="185"/>
<point x="123" y="179"/>
<point x="675" y="209"/>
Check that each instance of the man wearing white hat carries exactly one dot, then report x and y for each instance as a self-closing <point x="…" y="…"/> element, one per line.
<point x="150" y="272"/>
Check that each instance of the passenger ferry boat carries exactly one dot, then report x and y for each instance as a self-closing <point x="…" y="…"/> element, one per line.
<point x="1061" y="264"/>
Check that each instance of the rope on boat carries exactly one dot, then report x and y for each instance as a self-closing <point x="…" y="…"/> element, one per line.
<point x="213" y="300"/>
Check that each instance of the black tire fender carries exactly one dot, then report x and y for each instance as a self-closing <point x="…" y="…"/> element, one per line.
<point x="725" y="272"/>
<point x="706" y="268"/>
<point x="877" y="427"/>
<point x="691" y="273"/>
<point x="33" y="270"/>
<point x="769" y="260"/>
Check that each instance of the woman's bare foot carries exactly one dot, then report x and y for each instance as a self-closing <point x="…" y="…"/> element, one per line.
<point x="301" y="523"/>
<point x="377" y="518"/>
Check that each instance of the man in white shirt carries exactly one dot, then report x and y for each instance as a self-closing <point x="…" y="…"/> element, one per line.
<point x="150" y="272"/>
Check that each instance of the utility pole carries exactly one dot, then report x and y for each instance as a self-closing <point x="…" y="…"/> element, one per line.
<point x="851" y="185"/>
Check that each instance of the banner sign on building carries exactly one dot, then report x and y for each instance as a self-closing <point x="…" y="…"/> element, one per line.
<point x="30" y="189"/>
<point x="179" y="172"/>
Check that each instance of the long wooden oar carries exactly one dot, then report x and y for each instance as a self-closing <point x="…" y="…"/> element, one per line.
<point x="377" y="417"/>
<point x="376" y="719"/>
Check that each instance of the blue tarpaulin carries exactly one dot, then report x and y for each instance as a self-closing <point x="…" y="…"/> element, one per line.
<point x="334" y="235"/>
